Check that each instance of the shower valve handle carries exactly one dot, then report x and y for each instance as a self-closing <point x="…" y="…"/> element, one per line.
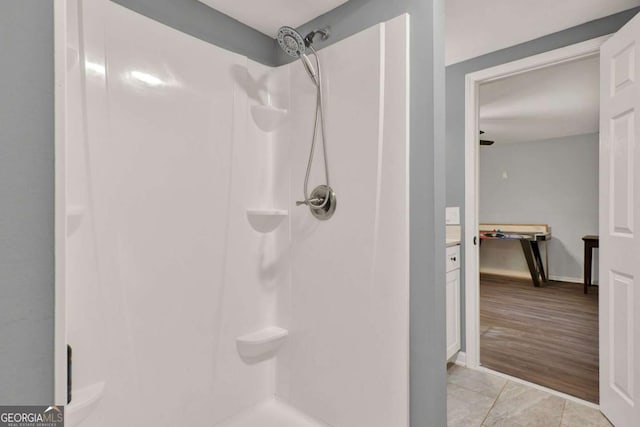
<point x="306" y="202"/>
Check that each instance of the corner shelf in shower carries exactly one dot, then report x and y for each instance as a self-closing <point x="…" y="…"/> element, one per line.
<point x="268" y="117"/>
<point x="74" y="213"/>
<point x="83" y="403"/>
<point x="261" y="345"/>
<point x="266" y="220"/>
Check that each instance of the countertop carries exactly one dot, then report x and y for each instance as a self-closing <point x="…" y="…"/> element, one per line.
<point x="453" y="242"/>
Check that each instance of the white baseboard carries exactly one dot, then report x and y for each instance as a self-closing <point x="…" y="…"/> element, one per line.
<point x="566" y="279"/>
<point x="508" y="273"/>
<point x="460" y="358"/>
<point x="525" y="275"/>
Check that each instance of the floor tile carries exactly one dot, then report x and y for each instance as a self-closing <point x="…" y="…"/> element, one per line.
<point x="577" y="415"/>
<point x="480" y="382"/>
<point x="466" y="408"/>
<point x="522" y="406"/>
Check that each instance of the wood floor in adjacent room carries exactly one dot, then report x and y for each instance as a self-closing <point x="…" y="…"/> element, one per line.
<point x="547" y="335"/>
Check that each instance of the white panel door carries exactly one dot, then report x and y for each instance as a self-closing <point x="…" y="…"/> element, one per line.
<point x="619" y="244"/>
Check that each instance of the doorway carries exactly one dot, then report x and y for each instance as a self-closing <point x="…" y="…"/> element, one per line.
<point x="618" y="205"/>
<point x="539" y="63"/>
<point x="538" y="191"/>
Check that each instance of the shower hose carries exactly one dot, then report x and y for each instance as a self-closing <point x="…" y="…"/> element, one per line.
<point x="319" y="119"/>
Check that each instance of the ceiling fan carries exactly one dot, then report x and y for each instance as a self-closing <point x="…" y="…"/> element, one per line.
<point x="485" y="141"/>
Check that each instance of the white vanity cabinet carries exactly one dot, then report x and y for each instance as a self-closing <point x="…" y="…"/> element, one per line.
<point x="453" y="300"/>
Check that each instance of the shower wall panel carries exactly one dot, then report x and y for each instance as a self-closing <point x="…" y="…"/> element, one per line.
<point x="173" y="144"/>
<point x="347" y="359"/>
<point x="83" y="293"/>
<point x="174" y="160"/>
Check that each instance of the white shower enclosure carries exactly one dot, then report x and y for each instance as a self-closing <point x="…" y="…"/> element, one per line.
<point x="195" y="292"/>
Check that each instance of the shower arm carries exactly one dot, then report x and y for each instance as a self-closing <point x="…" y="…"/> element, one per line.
<point x="323" y="32"/>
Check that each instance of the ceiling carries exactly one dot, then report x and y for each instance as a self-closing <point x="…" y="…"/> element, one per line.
<point x="475" y="27"/>
<point x="551" y="102"/>
<point x="267" y="16"/>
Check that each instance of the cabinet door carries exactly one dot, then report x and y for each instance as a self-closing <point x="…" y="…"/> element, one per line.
<point x="453" y="313"/>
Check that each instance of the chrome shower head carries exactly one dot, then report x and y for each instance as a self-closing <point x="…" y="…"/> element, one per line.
<point x="291" y="42"/>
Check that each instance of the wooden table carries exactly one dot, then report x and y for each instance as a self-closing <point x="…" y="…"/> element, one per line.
<point x="590" y="242"/>
<point x="529" y="236"/>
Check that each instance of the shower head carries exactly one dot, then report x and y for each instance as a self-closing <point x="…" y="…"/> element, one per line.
<point x="291" y="42"/>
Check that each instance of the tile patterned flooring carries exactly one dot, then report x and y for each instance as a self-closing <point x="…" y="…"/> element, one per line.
<point x="477" y="399"/>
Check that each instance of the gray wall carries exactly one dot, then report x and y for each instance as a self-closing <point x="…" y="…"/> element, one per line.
<point x="201" y="21"/>
<point x="26" y="212"/>
<point x="552" y="182"/>
<point x="455" y="97"/>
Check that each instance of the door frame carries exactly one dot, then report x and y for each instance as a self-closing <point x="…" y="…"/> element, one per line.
<point x="471" y="211"/>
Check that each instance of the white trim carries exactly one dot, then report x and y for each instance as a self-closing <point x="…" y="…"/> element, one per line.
<point x="60" y="105"/>
<point x="407" y="207"/>
<point x="521" y="274"/>
<point x="472" y="254"/>
<point x="567" y="279"/>
<point x="471" y="212"/>
<point x="517" y="274"/>
<point x="537" y="387"/>
<point x="460" y="359"/>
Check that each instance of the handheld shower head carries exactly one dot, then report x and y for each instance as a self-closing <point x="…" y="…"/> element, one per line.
<point x="291" y="42"/>
<point x="310" y="70"/>
<point x="294" y="45"/>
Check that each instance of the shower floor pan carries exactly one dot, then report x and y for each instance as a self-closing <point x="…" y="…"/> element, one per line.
<point x="272" y="413"/>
